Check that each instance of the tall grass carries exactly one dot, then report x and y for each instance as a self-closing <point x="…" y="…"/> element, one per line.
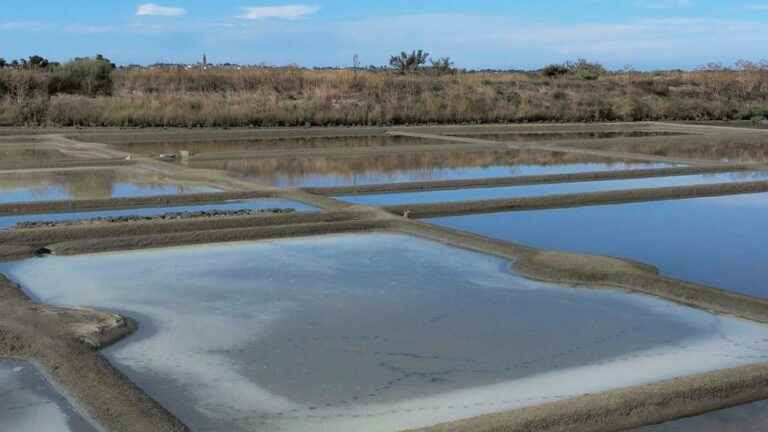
<point x="297" y="97"/>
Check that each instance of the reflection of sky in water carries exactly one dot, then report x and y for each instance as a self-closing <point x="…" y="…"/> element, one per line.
<point x="716" y="241"/>
<point x="28" y="403"/>
<point x="546" y="189"/>
<point x="261" y="203"/>
<point x="373" y="332"/>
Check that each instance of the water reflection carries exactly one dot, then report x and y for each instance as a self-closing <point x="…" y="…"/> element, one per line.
<point x="230" y="145"/>
<point x="420" y="166"/>
<point x="550" y="136"/>
<point x="214" y="146"/>
<point x="81" y="184"/>
<point x="752" y="149"/>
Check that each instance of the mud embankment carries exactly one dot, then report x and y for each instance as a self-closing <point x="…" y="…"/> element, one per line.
<point x="39" y="237"/>
<point x="64" y="342"/>
<point x="621" y="410"/>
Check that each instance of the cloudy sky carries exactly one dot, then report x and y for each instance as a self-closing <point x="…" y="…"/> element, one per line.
<point x="646" y="34"/>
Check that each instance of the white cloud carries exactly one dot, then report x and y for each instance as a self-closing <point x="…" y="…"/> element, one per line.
<point x="290" y="12"/>
<point x="151" y="9"/>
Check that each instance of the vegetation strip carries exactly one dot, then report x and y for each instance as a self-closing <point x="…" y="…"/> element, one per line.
<point x="526" y="180"/>
<point x="576" y="200"/>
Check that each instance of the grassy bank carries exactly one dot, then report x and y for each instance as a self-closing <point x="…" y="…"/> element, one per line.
<point x="297" y="97"/>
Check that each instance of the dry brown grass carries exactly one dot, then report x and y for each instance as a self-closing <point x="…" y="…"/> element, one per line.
<point x="296" y="97"/>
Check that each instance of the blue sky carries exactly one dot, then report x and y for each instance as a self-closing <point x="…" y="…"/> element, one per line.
<point x="647" y="34"/>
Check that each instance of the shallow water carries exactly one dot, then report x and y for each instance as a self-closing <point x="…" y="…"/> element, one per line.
<point x="409" y="167"/>
<point x="28" y="402"/>
<point x="30" y="153"/>
<point x="234" y="145"/>
<point x="375" y="332"/>
<point x="752" y="147"/>
<point x="86" y="184"/>
<point x="715" y="241"/>
<point x="474" y="194"/>
<point x="745" y="418"/>
<point x="550" y="136"/>
<point x="261" y="203"/>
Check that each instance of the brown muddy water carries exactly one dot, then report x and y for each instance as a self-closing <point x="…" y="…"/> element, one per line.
<point x="375" y="332"/>
<point x="319" y="171"/>
<point x="235" y="145"/>
<point x="552" y="136"/>
<point x="30" y="153"/>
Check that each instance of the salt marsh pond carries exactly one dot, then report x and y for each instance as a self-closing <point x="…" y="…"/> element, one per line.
<point x="325" y="171"/>
<point x="717" y="241"/>
<point x="375" y="332"/>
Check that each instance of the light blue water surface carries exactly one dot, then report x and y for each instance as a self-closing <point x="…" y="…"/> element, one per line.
<point x="717" y="241"/>
<point x="474" y="194"/>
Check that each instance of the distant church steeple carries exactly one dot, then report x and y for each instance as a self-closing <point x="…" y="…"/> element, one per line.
<point x="205" y="60"/>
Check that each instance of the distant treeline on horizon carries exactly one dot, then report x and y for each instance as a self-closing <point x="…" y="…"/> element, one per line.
<point x="40" y="62"/>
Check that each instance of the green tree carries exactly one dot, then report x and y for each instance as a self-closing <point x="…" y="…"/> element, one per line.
<point x="408" y="63"/>
<point x="443" y="66"/>
<point x="86" y="76"/>
<point x="3" y="63"/>
<point x="37" y="62"/>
